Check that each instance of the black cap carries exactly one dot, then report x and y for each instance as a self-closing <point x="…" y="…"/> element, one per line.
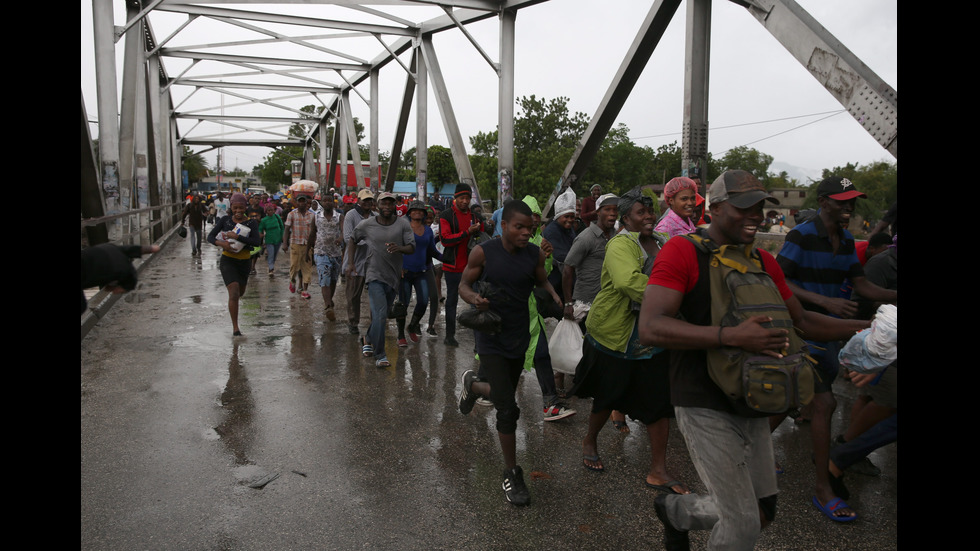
<point x="840" y="189"/>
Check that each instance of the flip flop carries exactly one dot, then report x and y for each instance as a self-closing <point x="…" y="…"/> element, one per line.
<point x="382" y="363"/>
<point x="832" y="506"/>
<point x="594" y="459"/>
<point x="622" y="427"/>
<point x="666" y="487"/>
<point x="366" y="349"/>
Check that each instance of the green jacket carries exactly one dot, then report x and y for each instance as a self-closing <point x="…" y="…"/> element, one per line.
<point x="611" y="320"/>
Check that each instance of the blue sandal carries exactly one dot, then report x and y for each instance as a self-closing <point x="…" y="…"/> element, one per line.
<point x="831" y="506"/>
<point x="366" y="349"/>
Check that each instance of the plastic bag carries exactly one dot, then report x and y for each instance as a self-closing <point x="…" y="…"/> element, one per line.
<point x="876" y="347"/>
<point x="565" y="346"/>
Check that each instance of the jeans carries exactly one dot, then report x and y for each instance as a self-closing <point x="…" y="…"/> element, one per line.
<point x="882" y="434"/>
<point x="734" y="458"/>
<point x="380" y="296"/>
<point x="272" y="250"/>
<point x="195" y="234"/>
<point x="417" y="281"/>
<point x="452" y="298"/>
<point x="430" y="282"/>
<point x="328" y="268"/>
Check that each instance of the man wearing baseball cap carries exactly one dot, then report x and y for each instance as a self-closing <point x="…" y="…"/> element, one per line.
<point x="355" y="258"/>
<point x="817" y="257"/>
<point x="729" y="441"/>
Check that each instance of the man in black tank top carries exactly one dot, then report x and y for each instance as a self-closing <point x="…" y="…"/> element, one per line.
<point x="513" y="267"/>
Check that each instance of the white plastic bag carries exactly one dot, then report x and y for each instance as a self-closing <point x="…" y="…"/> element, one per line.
<point x="242" y="230"/>
<point x="565" y="346"/>
<point x="876" y="347"/>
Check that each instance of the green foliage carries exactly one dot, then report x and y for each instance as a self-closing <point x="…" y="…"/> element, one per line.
<point x="879" y="180"/>
<point x="440" y="168"/>
<point x="545" y="136"/>
<point x="276" y="170"/>
<point x="743" y="158"/>
<point x="195" y="165"/>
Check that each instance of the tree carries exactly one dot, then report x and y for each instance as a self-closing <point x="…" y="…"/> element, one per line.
<point x="440" y="167"/>
<point x="195" y="165"/>
<point x="878" y="180"/>
<point x="545" y="136"/>
<point x="744" y="158"/>
<point x="483" y="160"/>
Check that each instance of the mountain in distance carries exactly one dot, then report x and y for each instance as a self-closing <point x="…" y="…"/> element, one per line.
<point x="803" y="176"/>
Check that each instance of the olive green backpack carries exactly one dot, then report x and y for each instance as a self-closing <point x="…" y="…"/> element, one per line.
<point x="740" y="289"/>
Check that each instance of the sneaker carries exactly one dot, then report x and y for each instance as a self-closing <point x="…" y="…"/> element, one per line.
<point x="431" y="331"/>
<point x="402" y="342"/>
<point x="557" y="411"/>
<point x="481" y="401"/>
<point x="413" y="336"/>
<point x="330" y="315"/>
<point x="466" y="395"/>
<point x="514" y="487"/>
<point x="674" y="539"/>
<point x="292" y="287"/>
<point x="450" y="341"/>
<point x="305" y="295"/>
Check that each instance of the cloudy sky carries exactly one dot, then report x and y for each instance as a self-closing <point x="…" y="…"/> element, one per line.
<point x="760" y="96"/>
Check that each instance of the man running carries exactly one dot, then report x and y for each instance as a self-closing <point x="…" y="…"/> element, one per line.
<point x="513" y="268"/>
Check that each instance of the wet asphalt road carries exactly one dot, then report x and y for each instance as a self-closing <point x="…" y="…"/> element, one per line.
<point x="179" y="421"/>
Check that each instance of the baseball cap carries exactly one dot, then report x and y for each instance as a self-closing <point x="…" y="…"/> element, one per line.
<point x="840" y="189"/>
<point x="740" y="188"/>
<point x="365" y="194"/>
<point x="385" y="195"/>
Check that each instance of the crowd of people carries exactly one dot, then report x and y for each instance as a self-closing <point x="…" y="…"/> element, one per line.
<point x="649" y="294"/>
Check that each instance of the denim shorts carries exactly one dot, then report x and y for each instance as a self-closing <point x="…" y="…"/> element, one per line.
<point x="328" y="267"/>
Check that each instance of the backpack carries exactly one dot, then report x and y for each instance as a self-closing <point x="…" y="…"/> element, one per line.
<point x="740" y="288"/>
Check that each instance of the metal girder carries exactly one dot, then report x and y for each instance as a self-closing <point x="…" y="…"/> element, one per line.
<point x="400" y="128"/>
<point x="218" y="142"/>
<point x="324" y="65"/>
<point x="286" y="19"/>
<point x="216" y="85"/>
<point x="697" y="50"/>
<point x="220" y="118"/>
<point x="107" y="101"/>
<point x="456" y="145"/>
<point x="421" y="122"/>
<point x="355" y="151"/>
<point x="868" y="98"/>
<point x="93" y="205"/>
<point x="373" y="134"/>
<point x="505" y="109"/>
<point x="646" y="40"/>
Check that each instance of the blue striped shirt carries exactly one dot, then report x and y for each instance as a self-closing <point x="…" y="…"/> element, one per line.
<point x="808" y="260"/>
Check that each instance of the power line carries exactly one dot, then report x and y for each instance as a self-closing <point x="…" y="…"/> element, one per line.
<point x="831" y="113"/>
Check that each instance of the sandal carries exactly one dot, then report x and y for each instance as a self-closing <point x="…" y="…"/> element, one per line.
<point x="622" y="427"/>
<point x="382" y="363"/>
<point x="366" y="349"/>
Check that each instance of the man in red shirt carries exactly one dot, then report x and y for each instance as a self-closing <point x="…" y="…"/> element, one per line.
<point x="456" y="226"/>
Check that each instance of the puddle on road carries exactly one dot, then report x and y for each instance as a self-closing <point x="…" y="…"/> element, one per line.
<point x="193" y="299"/>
